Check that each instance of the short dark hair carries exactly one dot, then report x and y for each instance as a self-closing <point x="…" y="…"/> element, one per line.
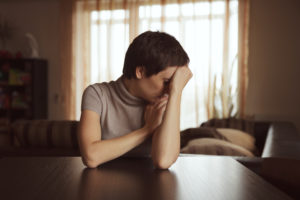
<point x="154" y="51"/>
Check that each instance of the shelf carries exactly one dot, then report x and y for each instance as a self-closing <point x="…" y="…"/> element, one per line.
<point x="13" y="86"/>
<point x="14" y="109"/>
<point x="30" y="90"/>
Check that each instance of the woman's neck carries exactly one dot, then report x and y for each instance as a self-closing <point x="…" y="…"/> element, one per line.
<point x="130" y="86"/>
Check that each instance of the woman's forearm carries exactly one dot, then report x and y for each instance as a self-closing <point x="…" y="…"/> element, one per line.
<point x="166" y="139"/>
<point x="105" y="150"/>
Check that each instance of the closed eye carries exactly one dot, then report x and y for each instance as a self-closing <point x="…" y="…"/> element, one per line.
<point x="166" y="81"/>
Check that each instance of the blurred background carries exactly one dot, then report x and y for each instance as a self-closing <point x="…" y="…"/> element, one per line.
<point x="244" y="54"/>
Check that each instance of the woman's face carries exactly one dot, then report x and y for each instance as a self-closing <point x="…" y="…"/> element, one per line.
<point x="153" y="87"/>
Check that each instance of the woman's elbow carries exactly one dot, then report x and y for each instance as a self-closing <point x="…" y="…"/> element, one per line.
<point x="90" y="162"/>
<point x="162" y="166"/>
<point x="163" y="163"/>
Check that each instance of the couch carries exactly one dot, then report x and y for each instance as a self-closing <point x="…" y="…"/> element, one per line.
<point x="41" y="138"/>
<point x="58" y="138"/>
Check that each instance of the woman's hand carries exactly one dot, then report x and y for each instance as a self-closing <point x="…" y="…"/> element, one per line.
<point x="180" y="78"/>
<point x="154" y="113"/>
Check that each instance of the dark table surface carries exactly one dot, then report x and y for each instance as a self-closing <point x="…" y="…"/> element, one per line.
<point x="203" y="177"/>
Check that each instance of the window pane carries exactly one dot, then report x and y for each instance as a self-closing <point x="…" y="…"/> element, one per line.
<point x="109" y="42"/>
<point x="187" y="9"/>
<point x="153" y="11"/>
<point x="203" y="8"/>
<point x="218" y="8"/>
<point x="172" y="10"/>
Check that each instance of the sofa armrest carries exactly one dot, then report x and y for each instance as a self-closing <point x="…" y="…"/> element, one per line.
<point x="283" y="141"/>
<point x="254" y="164"/>
<point x="260" y="133"/>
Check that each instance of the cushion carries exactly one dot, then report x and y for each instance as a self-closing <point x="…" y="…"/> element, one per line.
<point x="212" y="146"/>
<point x="238" y="137"/>
<point x="201" y="132"/>
<point x="45" y="133"/>
<point x="246" y="125"/>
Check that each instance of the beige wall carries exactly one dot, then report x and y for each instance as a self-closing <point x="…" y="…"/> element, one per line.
<point x="274" y="60"/>
<point x="41" y="18"/>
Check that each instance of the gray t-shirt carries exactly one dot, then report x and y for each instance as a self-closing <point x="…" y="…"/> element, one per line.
<point x="120" y="112"/>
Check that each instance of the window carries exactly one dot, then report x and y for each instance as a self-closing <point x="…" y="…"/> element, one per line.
<point x="199" y="27"/>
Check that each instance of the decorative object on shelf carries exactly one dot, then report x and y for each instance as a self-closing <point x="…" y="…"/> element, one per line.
<point x="4" y="72"/>
<point x="34" y="47"/>
<point x="4" y="100"/>
<point x="19" y="55"/>
<point x="18" y="101"/>
<point x="18" y="77"/>
<point x="5" y="54"/>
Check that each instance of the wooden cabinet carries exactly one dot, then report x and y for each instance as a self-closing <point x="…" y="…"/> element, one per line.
<point x="23" y="89"/>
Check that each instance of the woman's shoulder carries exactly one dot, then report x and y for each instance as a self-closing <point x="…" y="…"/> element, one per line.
<point x="100" y="89"/>
<point x="96" y="96"/>
<point x="97" y="87"/>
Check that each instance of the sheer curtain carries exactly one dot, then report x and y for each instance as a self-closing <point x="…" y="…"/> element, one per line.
<point x="66" y="77"/>
<point x="213" y="32"/>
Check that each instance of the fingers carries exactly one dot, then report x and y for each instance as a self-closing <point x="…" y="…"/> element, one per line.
<point x="161" y="104"/>
<point x="162" y="109"/>
<point x="158" y="101"/>
<point x="154" y="112"/>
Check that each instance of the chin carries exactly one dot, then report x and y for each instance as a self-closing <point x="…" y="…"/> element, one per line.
<point x="152" y="100"/>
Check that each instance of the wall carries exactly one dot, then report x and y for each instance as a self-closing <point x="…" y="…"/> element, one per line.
<point x="41" y="18"/>
<point x="274" y="60"/>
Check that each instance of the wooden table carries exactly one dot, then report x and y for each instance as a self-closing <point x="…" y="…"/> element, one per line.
<point x="190" y="178"/>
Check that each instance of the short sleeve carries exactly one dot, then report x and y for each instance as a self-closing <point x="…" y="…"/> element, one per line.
<point x="91" y="99"/>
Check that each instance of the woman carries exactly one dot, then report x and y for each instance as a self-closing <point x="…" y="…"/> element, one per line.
<point x="143" y="103"/>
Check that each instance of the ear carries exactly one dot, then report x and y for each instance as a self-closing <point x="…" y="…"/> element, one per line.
<point x="140" y="72"/>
